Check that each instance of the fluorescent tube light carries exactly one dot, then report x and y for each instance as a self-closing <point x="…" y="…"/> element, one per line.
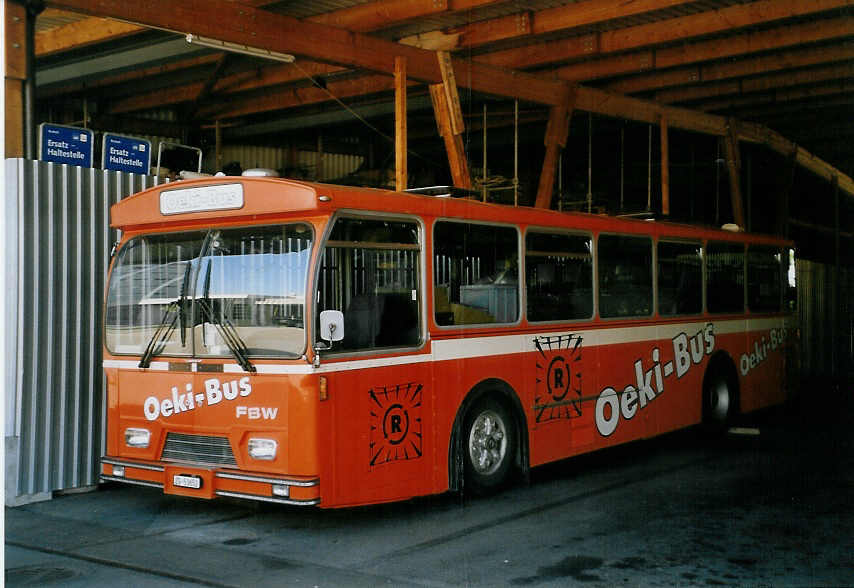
<point x="237" y="48"/>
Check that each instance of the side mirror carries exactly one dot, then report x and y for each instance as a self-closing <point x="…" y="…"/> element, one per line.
<point x="331" y="329"/>
<point x="331" y="325"/>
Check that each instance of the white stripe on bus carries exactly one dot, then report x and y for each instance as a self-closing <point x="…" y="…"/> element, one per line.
<point x="474" y="347"/>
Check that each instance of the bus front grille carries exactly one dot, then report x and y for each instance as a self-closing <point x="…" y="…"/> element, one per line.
<point x="198" y="449"/>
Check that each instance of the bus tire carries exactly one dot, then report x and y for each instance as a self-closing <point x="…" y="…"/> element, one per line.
<point x="720" y="397"/>
<point x="489" y="445"/>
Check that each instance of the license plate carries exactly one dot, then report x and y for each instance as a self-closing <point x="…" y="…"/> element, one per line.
<point x="182" y="481"/>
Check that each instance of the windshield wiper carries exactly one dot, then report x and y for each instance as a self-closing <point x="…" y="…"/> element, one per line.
<point x="224" y="327"/>
<point x="175" y="312"/>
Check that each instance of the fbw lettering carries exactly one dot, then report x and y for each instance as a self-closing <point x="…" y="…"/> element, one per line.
<point x="254" y="413"/>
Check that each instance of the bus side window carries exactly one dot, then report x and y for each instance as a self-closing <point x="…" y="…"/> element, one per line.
<point x="475" y="273"/>
<point x="725" y="277"/>
<point x="764" y="282"/>
<point x="625" y="276"/>
<point x="680" y="278"/>
<point x="558" y="276"/>
<point x="370" y="270"/>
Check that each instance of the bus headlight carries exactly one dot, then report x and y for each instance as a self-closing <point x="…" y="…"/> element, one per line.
<point x="262" y="449"/>
<point x="137" y="437"/>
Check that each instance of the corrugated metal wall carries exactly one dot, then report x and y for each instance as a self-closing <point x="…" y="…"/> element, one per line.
<point x="827" y="337"/>
<point x="309" y="165"/>
<point x="57" y="253"/>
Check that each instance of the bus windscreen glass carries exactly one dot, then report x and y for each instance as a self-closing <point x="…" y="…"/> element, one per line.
<point x="196" y="293"/>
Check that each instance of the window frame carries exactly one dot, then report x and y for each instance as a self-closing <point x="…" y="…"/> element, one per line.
<point x="194" y="277"/>
<point x="743" y="245"/>
<point x="520" y="291"/>
<point x="682" y="241"/>
<point x="594" y="284"/>
<point x="782" y="282"/>
<point x="420" y="285"/>
<point x="653" y="275"/>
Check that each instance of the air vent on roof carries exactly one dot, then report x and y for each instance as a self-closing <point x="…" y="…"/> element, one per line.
<point x="445" y="192"/>
<point x="261" y="172"/>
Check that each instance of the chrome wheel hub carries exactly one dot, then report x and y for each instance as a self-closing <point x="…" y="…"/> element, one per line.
<point x="487" y="442"/>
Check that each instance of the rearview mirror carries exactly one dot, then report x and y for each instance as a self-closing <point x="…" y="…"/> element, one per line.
<point x="331" y="325"/>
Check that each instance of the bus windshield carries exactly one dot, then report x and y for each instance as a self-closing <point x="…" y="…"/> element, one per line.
<point x="215" y="292"/>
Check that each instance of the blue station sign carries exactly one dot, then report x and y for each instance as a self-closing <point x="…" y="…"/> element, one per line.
<point x="61" y="144"/>
<point x="126" y="154"/>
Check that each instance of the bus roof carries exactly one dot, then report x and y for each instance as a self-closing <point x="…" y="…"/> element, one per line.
<point x="238" y="199"/>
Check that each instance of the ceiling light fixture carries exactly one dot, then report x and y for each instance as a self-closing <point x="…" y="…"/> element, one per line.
<point x="238" y="48"/>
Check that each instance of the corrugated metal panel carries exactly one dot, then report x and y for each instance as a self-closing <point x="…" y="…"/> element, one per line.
<point x="821" y="355"/>
<point x="301" y="164"/>
<point x="60" y="215"/>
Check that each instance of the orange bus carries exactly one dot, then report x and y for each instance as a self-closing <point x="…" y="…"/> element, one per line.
<point x="313" y="344"/>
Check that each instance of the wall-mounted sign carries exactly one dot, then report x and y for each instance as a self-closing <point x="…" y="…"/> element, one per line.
<point x="61" y="144"/>
<point x="126" y="154"/>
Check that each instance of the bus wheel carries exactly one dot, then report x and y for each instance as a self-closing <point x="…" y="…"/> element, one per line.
<point x="718" y="401"/>
<point x="489" y="446"/>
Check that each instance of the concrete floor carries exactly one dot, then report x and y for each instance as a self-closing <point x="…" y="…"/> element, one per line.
<point x="747" y="510"/>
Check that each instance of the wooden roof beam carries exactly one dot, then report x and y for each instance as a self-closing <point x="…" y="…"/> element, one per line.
<point x="379" y="14"/>
<point x="363" y="18"/>
<point x="680" y="28"/>
<point x="130" y="76"/>
<point x="758" y="84"/>
<point x="241" y="24"/>
<point x="82" y="33"/>
<point x="839" y="90"/>
<point x="303" y="96"/>
<point x="157" y="98"/>
<point x="246" y="25"/>
<point x="751" y="66"/>
<point x="526" y="23"/>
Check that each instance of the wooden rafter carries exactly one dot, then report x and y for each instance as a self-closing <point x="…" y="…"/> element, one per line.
<point x="449" y="121"/>
<point x="475" y="34"/>
<point x="400" y="141"/>
<point x="665" y="167"/>
<point x="125" y="78"/>
<point x="82" y="33"/>
<point x="751" y="66"/>
<point x="557" y="131"/>
<point x="660" y="32"/>
<point x="363" y="18"/>
<point x="156" y="98"/>
<point x="837" y="90"/>
<point x="290" y="97"/>
<point x="246" y="25"/>
<point x="733" y="162"/>
<point x="774" y="81"/>
<point x="525" y="23"/>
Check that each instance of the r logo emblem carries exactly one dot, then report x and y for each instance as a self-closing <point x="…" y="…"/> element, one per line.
<point x="395" y="424"/>
<point x="558" y="378"/>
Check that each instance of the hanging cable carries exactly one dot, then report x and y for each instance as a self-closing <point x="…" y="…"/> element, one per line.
<point x="355" y="114"/>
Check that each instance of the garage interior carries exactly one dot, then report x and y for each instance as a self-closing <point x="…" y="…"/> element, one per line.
<point x="707" y="112"/>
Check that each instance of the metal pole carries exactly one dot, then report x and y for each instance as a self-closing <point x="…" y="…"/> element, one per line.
<point x="516" y="153"/>
<point x="835" y="308"/>
<point x="622" y="168"/>
<point x="589" y="162"/>
<point x="649" y="173"/>
<point x="483" y="185"/>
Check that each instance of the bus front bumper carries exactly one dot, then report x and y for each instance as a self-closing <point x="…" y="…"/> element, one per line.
<point x="211" y="482"/>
